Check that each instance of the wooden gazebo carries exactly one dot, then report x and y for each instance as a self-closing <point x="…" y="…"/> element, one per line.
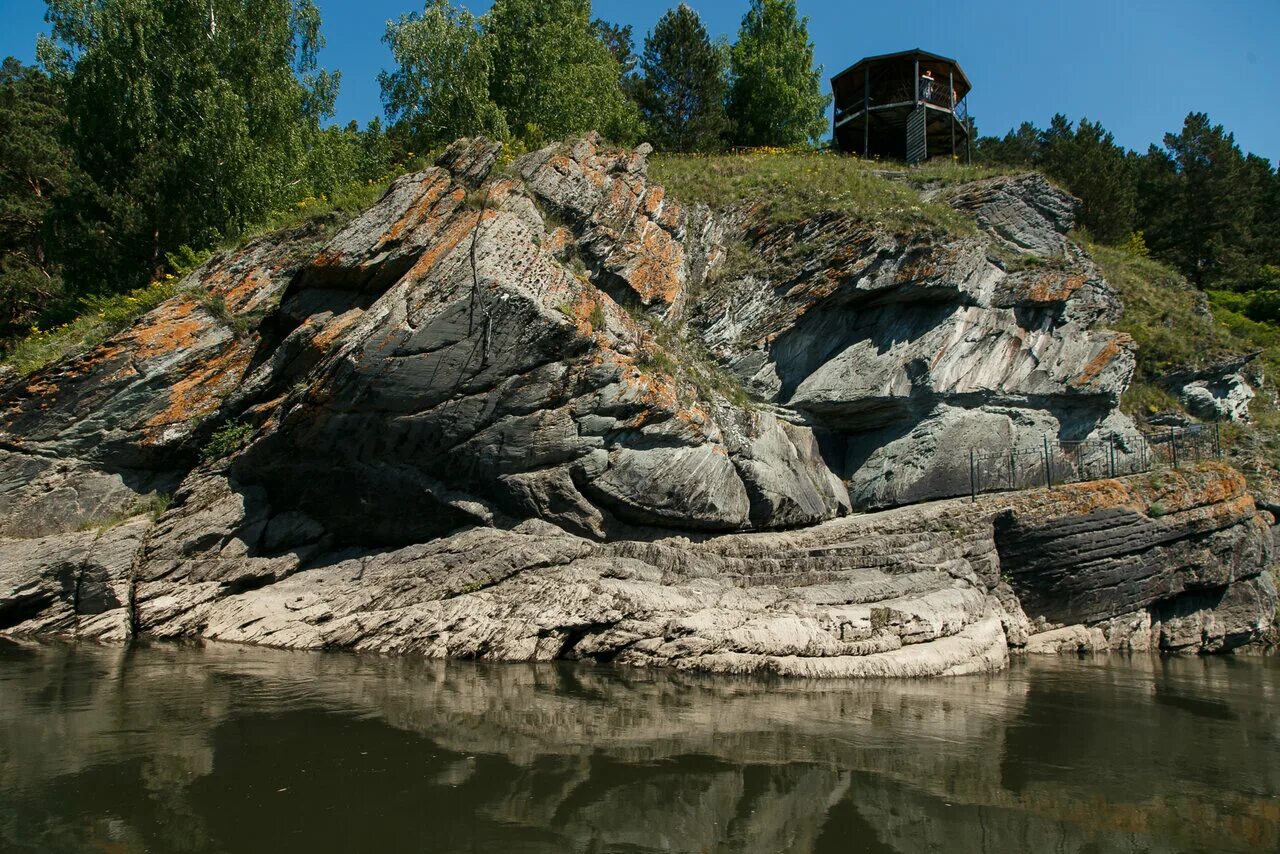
<point x="905" y="106"/>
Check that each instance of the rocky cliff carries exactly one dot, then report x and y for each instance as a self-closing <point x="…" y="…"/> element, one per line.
<point x="529" y="411"/>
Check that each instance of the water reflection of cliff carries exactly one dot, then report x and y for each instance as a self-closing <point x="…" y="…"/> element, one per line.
<point x="241" y="749"/>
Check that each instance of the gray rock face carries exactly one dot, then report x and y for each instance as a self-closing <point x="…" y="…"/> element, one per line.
<point x="1221" y="391"/>
<point x="1026" y="213"/>
<point x="893" y="347"/>
<point x="470" y="430"/>
<point x="1188" y="575"/>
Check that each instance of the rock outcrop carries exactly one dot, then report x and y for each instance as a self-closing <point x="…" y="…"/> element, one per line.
<point x="525" y="413"/>
<point x="1220" y="392"/>
<point x="896" y="347"/>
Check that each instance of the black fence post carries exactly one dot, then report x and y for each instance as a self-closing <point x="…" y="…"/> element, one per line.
<point x="1173" y="445"/>
<point x="1217" y="440"/>
<point x="1013" y="468"/>
<point x="1113" y="455"/>
<point x="973" y="476"/>
<point x="1048" y="471"/>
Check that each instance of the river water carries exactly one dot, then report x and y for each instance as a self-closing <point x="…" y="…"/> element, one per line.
<point x="238" y="749"/>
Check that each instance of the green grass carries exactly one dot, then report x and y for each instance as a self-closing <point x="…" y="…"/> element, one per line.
<point x="1164" y="314"/>
<point x="100" y="318"/>
<point x="942" y="172"/>
<point x="793" y="186"/>
<point x="1176" y="327"/>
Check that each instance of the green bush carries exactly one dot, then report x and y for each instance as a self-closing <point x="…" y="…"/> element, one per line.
<point x="228" y="439"/>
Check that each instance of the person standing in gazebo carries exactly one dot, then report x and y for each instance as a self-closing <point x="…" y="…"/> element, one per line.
<point x="926" y="85"/>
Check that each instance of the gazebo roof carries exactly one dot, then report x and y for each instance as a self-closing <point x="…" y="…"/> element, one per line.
<point x="963" y="86"/>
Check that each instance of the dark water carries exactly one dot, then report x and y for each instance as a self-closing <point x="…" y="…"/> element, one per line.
<point x="233" y="749"/>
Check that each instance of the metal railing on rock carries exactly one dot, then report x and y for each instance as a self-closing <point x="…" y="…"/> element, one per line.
<point x="1058" y="461"/>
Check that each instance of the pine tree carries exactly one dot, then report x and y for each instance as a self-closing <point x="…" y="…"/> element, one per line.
<point x="683" y="87"/>
<point x="1088" y="162"/>
<point x="776" y="97"/>
<point x="1211" y="208"/>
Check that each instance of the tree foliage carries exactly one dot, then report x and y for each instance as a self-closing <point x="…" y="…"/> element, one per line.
<point x="1197" y="201"/>
<point x="440" y="89"/>
<point x="683" y="86"/>
<point x="776" y="96"/>
<point x="190" y="120"/>
<point x="34" y="167"/>
<point x="552" y="75"/>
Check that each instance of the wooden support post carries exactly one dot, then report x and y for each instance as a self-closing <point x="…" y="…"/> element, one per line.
<point x="1048" y="470"/>
<point x="917" y="81"/>
<point x="951" y="120"/>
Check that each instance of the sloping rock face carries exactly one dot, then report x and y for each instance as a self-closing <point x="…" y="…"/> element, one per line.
<point x="903" y="352"/>
<point x="474" y="427"/>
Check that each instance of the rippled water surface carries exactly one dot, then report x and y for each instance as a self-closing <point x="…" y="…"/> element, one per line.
<point x="236" y="749"/>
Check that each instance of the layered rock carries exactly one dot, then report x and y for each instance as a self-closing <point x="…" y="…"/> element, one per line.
<point x="894" y="347"/>
<point x="491" y="417"/>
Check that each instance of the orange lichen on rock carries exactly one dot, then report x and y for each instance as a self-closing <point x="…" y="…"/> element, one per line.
<point x="1099" y="363"/>
<point x="656" y="272"/>
<point x="1052" y="288"/>
<point x="445" y="242"/>
<point x="243" y="295"/>
<point x="434" y="185"/>
<point x="202" y="391"/>
<point x="175" y="325"/>
<point x="1209" y="485"/>
<point x="332" y="330"/>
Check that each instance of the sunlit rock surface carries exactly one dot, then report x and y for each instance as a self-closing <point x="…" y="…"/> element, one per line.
<point x="498" y="414"/>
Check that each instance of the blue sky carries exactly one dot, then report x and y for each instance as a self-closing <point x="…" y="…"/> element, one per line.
<point x="1138" y="66"/>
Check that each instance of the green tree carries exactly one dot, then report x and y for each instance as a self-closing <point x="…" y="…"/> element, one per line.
<point x="346" y="155"/>
<point x="1088" y="162"/>
<point x="1019" y="147"/>
<point x="34" y="166"/>
<point x="191" y="120"/>
<point x="620" y="42"/>
<point x="552" y="75"/>
<point x="776" y="95"/>
<point x="1209" y="210"/>
<point x="683" y="86"/>
<point x="440" y="88"/>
